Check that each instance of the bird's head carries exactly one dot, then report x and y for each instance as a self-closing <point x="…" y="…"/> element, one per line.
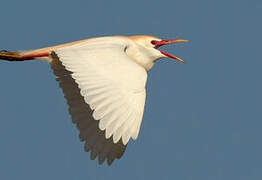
<point x="151" y="45"/>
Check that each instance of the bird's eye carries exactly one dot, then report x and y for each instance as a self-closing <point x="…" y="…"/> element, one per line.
<point x="154" y="42"/>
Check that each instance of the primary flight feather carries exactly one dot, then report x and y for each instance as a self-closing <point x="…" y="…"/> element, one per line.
<point x="103" y="80"/>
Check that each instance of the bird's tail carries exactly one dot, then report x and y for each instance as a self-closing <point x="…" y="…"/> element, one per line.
<point x="17" y="56"/>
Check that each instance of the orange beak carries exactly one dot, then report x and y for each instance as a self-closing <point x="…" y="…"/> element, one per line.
<point x="164" y="42"/>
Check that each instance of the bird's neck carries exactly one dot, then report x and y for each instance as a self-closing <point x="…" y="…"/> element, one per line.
<point x="140" y="56"/>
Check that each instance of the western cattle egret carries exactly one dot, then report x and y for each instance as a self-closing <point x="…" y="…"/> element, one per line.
<point x="103" y="80"/>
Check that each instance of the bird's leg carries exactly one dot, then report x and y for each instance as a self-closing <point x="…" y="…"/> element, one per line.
<point x="16" y="56"/>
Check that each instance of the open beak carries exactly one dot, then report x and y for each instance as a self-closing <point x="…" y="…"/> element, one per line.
<point x="164" y="42"/>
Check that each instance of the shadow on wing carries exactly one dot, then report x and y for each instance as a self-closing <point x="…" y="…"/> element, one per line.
<point x="81" y="114"/>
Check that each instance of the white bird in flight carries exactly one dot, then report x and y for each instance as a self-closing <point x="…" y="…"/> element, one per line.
<point x="104" y="83"/>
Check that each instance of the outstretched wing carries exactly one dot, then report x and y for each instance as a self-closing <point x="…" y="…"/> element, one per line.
<point x="81" y="114"/>
<point x="110" y="84"/>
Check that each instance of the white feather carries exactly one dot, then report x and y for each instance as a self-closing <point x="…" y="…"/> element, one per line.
<point x="110" y="82"/>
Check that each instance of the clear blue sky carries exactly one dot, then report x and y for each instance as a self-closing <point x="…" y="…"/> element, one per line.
<point x="202" y="119"/>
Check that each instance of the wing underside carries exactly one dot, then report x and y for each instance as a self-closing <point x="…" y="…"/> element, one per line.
<point x="81" y="114"/>
<point x="105" y="91"/>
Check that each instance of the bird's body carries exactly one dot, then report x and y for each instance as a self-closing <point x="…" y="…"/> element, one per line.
<point x="134" y="50"/>
<point x="104" y="82"/>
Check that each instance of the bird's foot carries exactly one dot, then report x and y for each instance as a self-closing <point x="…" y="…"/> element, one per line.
<point x="9" y="56"/>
